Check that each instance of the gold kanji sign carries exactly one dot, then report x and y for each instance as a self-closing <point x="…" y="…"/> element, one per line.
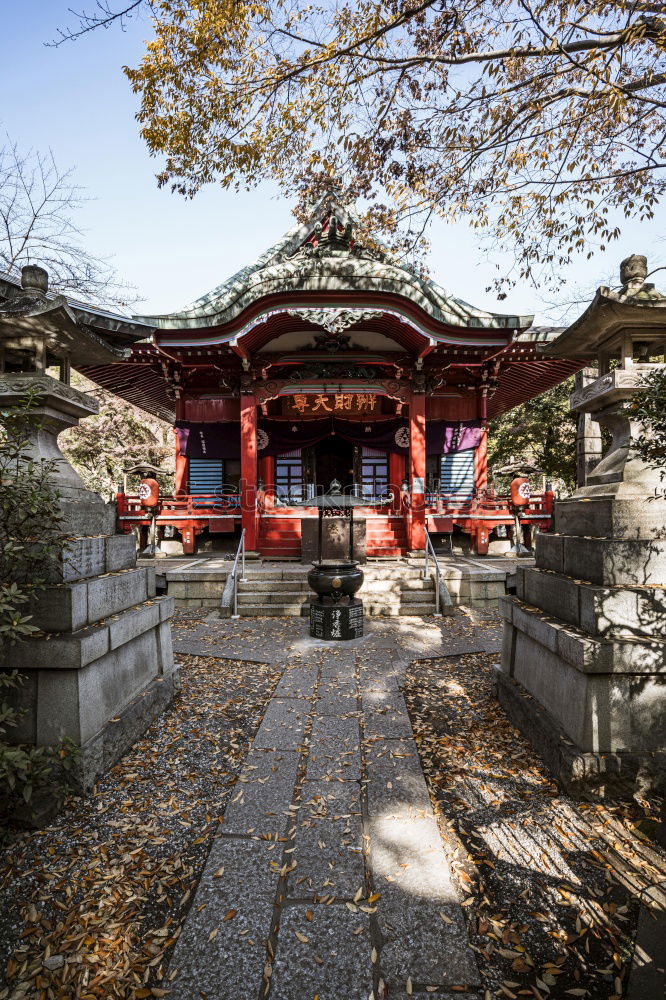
<point x="340" y="404"/>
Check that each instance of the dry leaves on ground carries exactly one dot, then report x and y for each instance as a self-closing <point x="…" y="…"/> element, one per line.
<point x="552" y="883"/>
<point x="92" y="904"/>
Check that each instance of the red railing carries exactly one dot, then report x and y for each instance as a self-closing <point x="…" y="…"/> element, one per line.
<point x="539" y="506"/>
<point x="189" y="505"/>
<point x="478" y="516"/>
<point x="191" y="514"/>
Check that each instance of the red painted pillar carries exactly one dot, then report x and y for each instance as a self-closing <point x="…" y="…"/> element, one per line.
<point x="182" y="470"/>
<point x="396" y="476"/>
<point x="481" y="455"/>
<point x="267" y="472"/>
<point x="417" y="459"/>
<point x="182" y="476"/>
<point x="248" y="421"/>
<point x="481" y="463"/>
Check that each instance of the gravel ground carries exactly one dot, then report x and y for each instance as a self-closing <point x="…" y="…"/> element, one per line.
<point x="551" y="884"/>
<point x="92" y="905"/>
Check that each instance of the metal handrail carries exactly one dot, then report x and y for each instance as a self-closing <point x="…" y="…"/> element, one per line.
<point x="438" y="573"/>
<point x="240" y="551"/>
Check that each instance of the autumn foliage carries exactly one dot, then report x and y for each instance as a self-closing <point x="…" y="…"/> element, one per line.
<point x="536" y="121"/>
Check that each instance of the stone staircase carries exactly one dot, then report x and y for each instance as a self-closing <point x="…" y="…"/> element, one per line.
<point x="279" y="587"/>
<point x="274" y="592"/>
<point x="387" y="590"/>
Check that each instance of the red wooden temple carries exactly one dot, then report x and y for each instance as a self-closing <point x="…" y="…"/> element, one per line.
<point x="325" y="360"/>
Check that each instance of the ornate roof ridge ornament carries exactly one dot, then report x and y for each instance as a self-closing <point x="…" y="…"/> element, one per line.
<point x="335" y="320"/>
<point x="337" y="239"/>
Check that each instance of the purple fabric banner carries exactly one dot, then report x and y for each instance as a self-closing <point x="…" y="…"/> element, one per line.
<point x="209" y="440"/>
<point x="442" y="436"/>
<point x="221" y="439"/>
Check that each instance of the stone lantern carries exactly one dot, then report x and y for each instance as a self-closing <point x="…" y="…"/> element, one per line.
<point x="107" y="669"/>
<point x="624" y="332"/>
<point x="37" y="332"/>
<point x="583" y="669"/>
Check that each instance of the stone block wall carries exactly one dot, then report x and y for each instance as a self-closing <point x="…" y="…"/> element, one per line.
<point x="584" y="653"/>
<point x="101" y="668"/>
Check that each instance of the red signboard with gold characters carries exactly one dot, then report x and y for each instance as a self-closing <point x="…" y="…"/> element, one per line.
<point x="318" y="404"/>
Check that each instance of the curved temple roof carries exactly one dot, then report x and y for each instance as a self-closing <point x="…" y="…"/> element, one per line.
<point x="317" y="276"/>
<point x="321" y="256"/>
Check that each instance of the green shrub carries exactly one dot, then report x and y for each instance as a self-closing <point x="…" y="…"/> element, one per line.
<point x="650" y="408"/>
<point x="31" y="539"/>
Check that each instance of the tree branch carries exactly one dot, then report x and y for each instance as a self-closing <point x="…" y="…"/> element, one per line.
<point x="91" y="22"/>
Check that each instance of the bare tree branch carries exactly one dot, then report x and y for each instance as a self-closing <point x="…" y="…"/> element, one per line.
<point x="104" y="17"/>
<point x="38" y="204"/>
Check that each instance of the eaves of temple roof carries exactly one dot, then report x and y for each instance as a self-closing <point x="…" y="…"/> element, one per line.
<point x="306" y="261"/>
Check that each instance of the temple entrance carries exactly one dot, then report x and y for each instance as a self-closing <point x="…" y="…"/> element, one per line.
<point x="333" y="459"/>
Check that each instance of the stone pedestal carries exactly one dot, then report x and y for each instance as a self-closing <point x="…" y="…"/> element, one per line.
<point x="583" y="669"/>
<point x="101" y="669"/>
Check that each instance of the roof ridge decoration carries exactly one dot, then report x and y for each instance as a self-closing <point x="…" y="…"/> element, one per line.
<point x="337" y="237"/>
<point x="335" y="320"/>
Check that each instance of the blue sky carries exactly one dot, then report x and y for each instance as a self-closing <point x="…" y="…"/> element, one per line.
<point x="75" y="100"/>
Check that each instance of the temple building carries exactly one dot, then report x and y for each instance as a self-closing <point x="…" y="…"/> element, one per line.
<point x="326" y="360"/>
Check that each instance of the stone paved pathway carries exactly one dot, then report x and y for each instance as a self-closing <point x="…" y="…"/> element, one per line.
<point x="328" y="877"/>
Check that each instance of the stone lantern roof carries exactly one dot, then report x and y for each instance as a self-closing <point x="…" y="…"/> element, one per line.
<point x="637" y="309"/>
<point x="35" y="323"/>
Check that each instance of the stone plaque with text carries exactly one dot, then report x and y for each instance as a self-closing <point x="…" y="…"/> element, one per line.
<point x="336" y="621"/>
